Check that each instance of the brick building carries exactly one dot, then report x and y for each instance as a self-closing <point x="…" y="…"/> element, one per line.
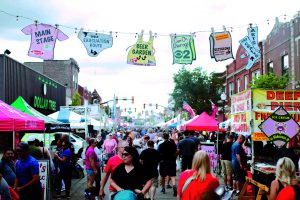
<point x="281" y="51"/>
<point x="63" y="71"/>
<point x="280" y="54"/>
<point x="237" y="77"/>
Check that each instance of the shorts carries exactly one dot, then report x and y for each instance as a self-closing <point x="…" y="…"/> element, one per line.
<point x="167" y="168"/>
<point x="155" y="181"/>
<point x="226" y="168"/>
<point x="89" y="172"/>
<point x="238" y="174"/>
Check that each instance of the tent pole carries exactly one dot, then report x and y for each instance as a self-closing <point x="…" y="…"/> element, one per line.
<point x="14" y="139"/>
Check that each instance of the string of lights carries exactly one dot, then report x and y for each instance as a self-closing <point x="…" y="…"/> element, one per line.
<point x="76" y="29"/>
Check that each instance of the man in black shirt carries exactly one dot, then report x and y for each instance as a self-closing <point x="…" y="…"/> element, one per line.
<point x="150" y="159"/>
<point x="167" y="166"/>
<point x="187" y="149"/>
<point x="226" y="162"/>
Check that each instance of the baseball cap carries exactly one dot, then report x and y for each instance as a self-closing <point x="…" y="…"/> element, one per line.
<point x="31" y="138"/>
<point x="22" y="146"/>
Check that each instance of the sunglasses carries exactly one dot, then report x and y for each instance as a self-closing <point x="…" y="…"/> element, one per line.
<point x="125" y="154"/>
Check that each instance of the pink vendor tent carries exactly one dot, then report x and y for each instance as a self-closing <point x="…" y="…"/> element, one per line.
<point x="202" y="122"/>
<point x="13" y="120"/>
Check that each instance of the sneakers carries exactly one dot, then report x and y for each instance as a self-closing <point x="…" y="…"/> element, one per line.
<point x="163" y="190"/>
<point x="169" y="186"/>
<point x="174" y="191"/>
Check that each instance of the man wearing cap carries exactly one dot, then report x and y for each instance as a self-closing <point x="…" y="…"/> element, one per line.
<point x="27" y="183"/>
<point x="33" y="150"/>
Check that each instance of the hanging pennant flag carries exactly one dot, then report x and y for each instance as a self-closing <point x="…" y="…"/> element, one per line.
<point x="220" y="46"/>
<point x="95" y="42"/>
<point x="142" y="53"/>
<point x="250" y="44"/>
<point x="43" y="38"/>
<point x="253" y="36"/>
<point x="183" y="49"/>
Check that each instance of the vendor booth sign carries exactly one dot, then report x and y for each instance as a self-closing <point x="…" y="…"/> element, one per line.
<point x="213" y="157"/>
<point x="280" y="127"/>
<point x="44" y="177"/>
<point x="240" y="112"/>
<point x="265" y="102"/>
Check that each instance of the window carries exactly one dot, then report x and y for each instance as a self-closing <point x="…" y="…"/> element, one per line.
<point x="285" y="64"/>
<point x="238" y="85"/>
<point x="255" y="74"/>
<point x="246" y="82"/>
<point x="270" y="67"/>
<point x="230" y="89"/>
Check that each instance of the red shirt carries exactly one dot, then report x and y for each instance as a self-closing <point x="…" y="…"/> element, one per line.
<point x="196" y="188"/>
<point x="111" y="165"/>
<point x="287" y="193"/>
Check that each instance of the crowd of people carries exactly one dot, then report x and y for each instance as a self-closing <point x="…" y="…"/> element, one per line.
<point x="135" y="164"/>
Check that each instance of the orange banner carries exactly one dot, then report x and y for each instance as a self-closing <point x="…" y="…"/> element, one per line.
<point x="259" y="136"/>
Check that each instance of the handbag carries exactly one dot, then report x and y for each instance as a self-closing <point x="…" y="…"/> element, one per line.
<point x="186" y="184"/>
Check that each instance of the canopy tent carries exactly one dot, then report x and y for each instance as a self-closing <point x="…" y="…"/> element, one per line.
<point x="67" y="116"/>
<point x="202" y="122"/>
<point x="51" y="125"/>
<point x="174" y="125"/>
<point x="81" y="125"/>
<point x="13" y="120"/>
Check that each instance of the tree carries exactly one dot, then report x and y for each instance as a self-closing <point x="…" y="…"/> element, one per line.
<point x="76" y="101"/>
<point x="270" y="81"/>
<point x="195" y="87"/>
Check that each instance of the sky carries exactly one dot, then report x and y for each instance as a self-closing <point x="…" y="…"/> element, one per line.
<point x="109" y="73"/>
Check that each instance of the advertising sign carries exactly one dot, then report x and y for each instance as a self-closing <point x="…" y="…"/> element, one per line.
<point x="210" y="150"/>
<point x="220" y="46"/>
<point x="44" y="172"/>
<point x="280" y="127"/>
<point x="265" y="102"/>
<point x="240" y="112"/>
<point x="183" y="49"/>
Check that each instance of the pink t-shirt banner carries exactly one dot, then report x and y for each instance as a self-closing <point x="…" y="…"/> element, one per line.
<point x="43" y="39"/>
<point x="210" y="150"/>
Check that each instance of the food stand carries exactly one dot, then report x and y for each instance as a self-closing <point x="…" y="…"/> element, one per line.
<point x="249" y="110"/>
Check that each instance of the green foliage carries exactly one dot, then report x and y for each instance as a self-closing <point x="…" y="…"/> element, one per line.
<point x="270" y="81"/>
<point x="76" y="101"/>
<point x="196" y="87"/>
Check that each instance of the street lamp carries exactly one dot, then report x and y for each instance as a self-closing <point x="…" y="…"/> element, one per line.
<point x="223" y="101"/>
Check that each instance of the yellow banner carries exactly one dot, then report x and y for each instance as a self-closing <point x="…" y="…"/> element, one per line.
<point x="265" y="102"/>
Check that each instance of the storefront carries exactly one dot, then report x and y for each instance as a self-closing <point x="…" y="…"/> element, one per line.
<point x="41" y="92"/>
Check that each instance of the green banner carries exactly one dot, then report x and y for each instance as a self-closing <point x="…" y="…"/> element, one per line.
<point x="183" y="49"/>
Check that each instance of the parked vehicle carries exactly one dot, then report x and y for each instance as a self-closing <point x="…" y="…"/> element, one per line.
<point x="77" y="141"/>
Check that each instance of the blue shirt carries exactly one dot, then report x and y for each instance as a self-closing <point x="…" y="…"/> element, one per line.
<point x="237" y="149"/>
<point x="65" y="165"/>
<point x="26" y="168"/>
<point x="8" y="172"/>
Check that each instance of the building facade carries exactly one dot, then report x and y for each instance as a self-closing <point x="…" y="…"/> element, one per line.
<point x="63" y="71"/>
<point x="39" y="91"/>
<point x="238" y="78"/>
<point x="282" y="51"/>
